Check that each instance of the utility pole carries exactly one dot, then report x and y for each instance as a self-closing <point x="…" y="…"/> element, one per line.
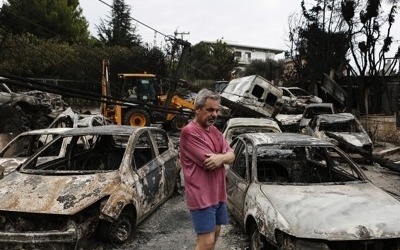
<point x="176" y="33"/>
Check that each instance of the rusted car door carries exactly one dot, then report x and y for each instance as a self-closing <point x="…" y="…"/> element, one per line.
<point x="167" y="159"/>
<point x="238" y="178"/>
<point x="149" y="184"/>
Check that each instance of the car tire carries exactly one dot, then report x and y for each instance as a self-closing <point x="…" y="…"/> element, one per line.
<point x="255" y="238"/>
<point x="118" y="231"/>
<point x="137" y="117"/>
<point x="178" y="122"/>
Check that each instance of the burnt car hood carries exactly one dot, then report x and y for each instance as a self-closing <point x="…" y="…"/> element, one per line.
<point x="10" y="164"/>
<point x="51" y="194"/>
<point x="355" y="139"/>
<point x="336" y="212"/>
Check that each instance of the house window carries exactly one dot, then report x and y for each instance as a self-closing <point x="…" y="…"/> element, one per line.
<point x="238" y="54"/>
<point x="248" y="57"/>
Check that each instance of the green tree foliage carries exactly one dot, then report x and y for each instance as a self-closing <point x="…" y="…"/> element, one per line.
<point x="56" y="19"/>
<point x="269" y="69"/>
<point x="118" y="30"/>
<point x="211" y="61"/>
<point x="136" y="59"/>
<point x="29" y="56"/>
<point x="34" y="48"/>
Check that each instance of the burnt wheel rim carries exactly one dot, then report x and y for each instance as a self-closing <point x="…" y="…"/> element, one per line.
<point x="255" y="239"/>
<point x="121" y="230"/>
<point x="138" y="120"/>
<point x="181" y="123"/>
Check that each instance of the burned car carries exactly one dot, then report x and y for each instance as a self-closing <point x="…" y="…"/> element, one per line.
<point x="26" y="110"/>
<point x="251" y="96"/>
<point x="24" y="145"/>
<point x="106" y="190"/>
<point x="314" y="109"/>
<point x="72" y="119"/>
<point x="239" y="125"/>
<point x="296" y="94"/>
<point x="343" y="129"/>
<point x="295" y="99"/>
<point x="293" y="191"/>
<point x="289" y="122"/>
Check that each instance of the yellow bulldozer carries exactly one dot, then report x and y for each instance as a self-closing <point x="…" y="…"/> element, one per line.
<point x="142" y="101"/>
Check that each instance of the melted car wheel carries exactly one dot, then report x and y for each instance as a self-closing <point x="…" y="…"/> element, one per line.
<point x="178" y="122"/>
<point x="118" y="231"/>
<point x="255" y="238"/>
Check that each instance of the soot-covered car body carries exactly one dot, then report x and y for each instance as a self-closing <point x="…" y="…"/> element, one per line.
<point x="295" y="99"/>
<point x="299" y="96"/>
<point x="293" y="191"/>
<point x="343" y="129"/>
<point x="125" y="174"/>
<point x="71" y="119"/>
<point x="27" y="110"/>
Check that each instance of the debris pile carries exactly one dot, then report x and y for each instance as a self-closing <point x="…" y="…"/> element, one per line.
<point x="22" y="111"/>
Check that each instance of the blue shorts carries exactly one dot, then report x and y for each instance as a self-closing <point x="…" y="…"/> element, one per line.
<point x="204" y="220"/>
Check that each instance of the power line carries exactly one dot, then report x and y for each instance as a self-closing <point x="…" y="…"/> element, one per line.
<point x="140" y="22"/>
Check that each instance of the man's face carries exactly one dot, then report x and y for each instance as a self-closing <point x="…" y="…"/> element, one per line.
<point x="207" y="115"/>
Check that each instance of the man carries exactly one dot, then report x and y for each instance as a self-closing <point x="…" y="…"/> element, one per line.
<point x="203" y="153"/>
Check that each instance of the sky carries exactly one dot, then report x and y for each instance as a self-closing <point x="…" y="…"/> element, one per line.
<point x="260" y="23"/>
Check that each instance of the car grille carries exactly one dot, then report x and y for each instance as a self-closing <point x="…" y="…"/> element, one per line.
<point x="22" y="222"/>
<point x="386" y="244"/>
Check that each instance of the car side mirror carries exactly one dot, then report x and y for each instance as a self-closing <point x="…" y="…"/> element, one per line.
<point x="303" y="130"/>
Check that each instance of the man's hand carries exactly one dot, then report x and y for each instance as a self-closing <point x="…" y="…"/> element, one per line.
<point x="214" y="161"/>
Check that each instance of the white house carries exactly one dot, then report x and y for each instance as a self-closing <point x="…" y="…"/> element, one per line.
<point x="247" y="53"/>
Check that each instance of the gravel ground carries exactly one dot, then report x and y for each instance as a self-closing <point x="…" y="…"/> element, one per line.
<point x="170" y="227"/>
<point x="381" y="176"/>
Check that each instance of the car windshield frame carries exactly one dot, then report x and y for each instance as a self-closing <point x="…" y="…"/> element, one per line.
<point x="77" y="148"/>
<point x="282" y="158"/>
<point x="349" y="126"/>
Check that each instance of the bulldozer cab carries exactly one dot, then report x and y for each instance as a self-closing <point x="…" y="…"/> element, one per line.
<point x="139" y="87"/>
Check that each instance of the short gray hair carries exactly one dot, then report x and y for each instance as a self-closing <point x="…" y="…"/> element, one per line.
<point x="203" y="95"/>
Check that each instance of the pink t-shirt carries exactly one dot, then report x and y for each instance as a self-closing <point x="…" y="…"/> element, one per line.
<point x="203" y="188"/>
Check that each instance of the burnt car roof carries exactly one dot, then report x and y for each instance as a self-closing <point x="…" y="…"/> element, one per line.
<point x="285" y="138"/>
<point x="45" y="131"/>
<point x="237" y="121"/>
<point x="335" y="118"/>
<point x="322" y="104"/>
<point x="107" y="129"/>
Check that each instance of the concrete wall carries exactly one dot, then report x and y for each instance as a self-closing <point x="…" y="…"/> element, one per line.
<point x="382" y="128"/>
